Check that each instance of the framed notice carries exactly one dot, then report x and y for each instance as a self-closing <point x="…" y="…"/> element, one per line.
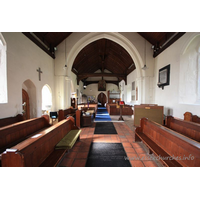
<point x="164" y="76"/>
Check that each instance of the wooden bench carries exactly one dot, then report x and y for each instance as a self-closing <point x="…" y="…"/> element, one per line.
<point x="63" y="114"/>
<point x="187" y="128"/>
<point x="13" y="134"/>
<point x="188" y="116"/>
<point x="39" y="150"/>
<point x="11" y="120"/>
<point x="172" y="149"/>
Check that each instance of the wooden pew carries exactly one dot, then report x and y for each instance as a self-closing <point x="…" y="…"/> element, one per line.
<point x="188" y="116"/>
<point x="11" y="120"/>
<point x="63" y="114"/>
<point x="12" y="134"/>
<point x="39" y="150"/>
<point x="187" y="128"/>
<point x="172" y="148"/>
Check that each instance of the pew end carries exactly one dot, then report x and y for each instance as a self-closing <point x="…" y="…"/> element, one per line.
<point x="12" y="158"/>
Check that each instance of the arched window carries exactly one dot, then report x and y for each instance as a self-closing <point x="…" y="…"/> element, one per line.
<point x="190" y="73"/>
<point x="3" y="71"/>
<point x="46" y="98"/>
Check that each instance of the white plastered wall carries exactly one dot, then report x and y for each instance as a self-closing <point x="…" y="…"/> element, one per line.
<point x="169" y="97"/>
<point x="23" y="59"/>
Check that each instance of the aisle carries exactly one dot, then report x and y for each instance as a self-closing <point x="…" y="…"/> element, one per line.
<point x="102" y="115"/>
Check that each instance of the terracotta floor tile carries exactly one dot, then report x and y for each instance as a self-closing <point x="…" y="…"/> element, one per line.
<point x="140" y="150"/>
<point x="132" y="156"/>
<point x="136" y="163"/>
<point x="120" y="133"/>
<point x="129" y="150"/>
<point x="123" y="140"/>
<point x="145" y="157"/>
<point x="126" y="144"/>
<point x="150" y="163"/>
<point x="79" y="163"/>
<point x="83" y="136"/>
<point x="137" y="144"/>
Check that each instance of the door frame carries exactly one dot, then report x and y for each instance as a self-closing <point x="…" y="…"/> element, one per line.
<point x="27" y="106"/>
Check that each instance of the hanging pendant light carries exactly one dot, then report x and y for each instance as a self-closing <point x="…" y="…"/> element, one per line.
<point x="65" y="54"/>
<point x="145" y="67"/>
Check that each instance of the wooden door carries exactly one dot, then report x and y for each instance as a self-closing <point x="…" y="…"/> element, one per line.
<point x="102" y="99"/>
<point x="25" y="105"/>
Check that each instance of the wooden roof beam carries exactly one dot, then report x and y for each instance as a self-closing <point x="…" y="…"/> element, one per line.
<point x="84" y="76"/>
<point x="93" y="82"/>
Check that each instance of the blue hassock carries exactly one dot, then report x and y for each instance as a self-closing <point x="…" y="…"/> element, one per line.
<point x="102" y="115"/>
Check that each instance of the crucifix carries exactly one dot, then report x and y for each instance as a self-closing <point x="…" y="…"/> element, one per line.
<point x="39" y="71"/>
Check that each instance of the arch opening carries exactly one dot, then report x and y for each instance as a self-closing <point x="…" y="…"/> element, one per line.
<point x="46" y="99"/>
<point x="30" y="88"/>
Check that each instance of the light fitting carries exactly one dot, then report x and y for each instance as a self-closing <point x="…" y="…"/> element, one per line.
<point x="145" y="67"/>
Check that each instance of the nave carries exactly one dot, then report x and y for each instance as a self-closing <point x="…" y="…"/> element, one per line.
<point x="135" y="151"/>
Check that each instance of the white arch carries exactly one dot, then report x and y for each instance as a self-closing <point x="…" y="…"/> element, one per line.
<point x="116" y="37"/>
<point x="188" y="42"/>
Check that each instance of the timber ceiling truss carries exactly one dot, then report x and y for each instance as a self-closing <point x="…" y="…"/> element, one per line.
<point x="102" y="59"/>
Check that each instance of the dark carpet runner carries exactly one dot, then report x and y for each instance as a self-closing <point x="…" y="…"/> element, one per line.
<point x="107" y="155"/>
<point x="105" y="128"/>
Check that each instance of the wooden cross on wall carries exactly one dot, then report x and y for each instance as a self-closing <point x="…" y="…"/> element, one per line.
<point x="39" y="71"/>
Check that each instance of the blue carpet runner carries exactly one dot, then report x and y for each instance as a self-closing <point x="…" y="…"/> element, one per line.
<point x="102" y="115"/>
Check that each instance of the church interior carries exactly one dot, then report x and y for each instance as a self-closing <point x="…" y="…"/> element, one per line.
<point x="100" y="99"/>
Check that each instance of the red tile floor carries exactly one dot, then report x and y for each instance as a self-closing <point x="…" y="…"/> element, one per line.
<point x="136" y="152"/>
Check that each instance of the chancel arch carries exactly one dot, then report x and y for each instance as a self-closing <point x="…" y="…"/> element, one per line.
<point x="115" y="37"/>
